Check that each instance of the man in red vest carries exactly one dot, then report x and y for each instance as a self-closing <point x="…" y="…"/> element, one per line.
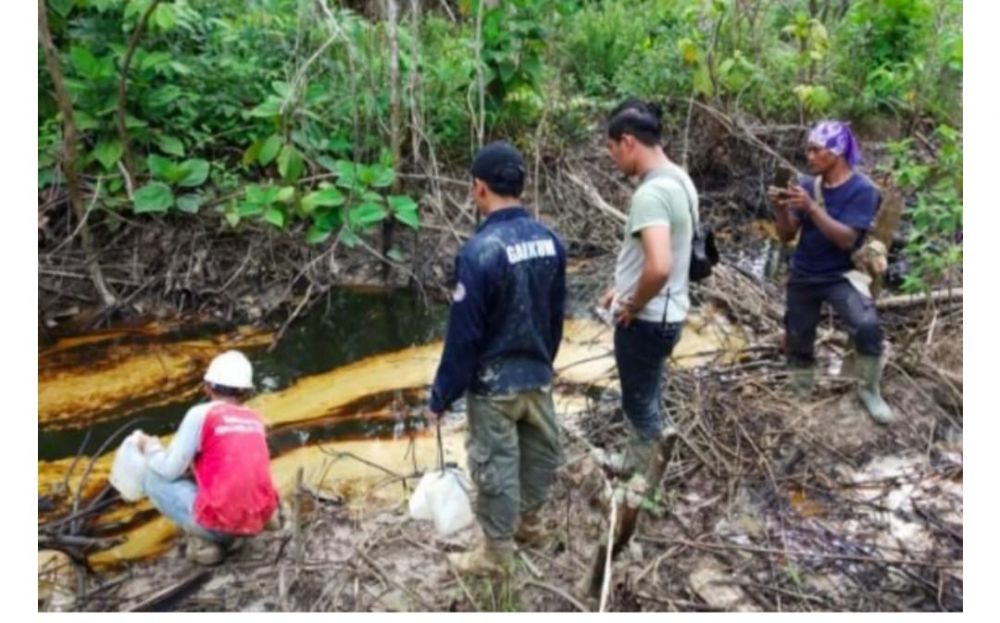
<point x="224" y="445"/>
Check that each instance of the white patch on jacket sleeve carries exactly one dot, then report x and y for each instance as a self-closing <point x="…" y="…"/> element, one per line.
<point x="459" y="294"/>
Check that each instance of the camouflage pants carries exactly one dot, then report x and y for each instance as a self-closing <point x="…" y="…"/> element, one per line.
<point x="514" y="451"/>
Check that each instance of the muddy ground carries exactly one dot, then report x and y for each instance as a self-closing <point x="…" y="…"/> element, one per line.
<point x="882" y="532"/>
<point x="768" y="504"/>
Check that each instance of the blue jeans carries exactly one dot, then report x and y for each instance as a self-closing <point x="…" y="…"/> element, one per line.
<point x="641" y="350"/>
<point x="854" y="309"/>
<point x="175" y="499"/>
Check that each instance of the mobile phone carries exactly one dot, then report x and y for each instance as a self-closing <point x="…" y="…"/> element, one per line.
<point x="783" y="176"/>
<point x="604" y="315"/>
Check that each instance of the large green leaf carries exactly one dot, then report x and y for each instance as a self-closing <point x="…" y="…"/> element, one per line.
<point x="163" y="17"/>
<point x="366" y="175"/>
<point x="195" y="172"/>
<point x="84" y="61"/>
<point x="269" y="149"/>
<point x="400" y="203"/>
<point x="155" y="197"/>
<point x="85" y="121"/>
<point x="702" y="81"/>
<point x="268" y="108"/>
<point x="326" y="162"/>
<point x="317" y="234"/>
<point x="61" y="7"/>
<point x="275" y="217"/>
<point x="339" y="145"/>
<point x="383" y="176"/>
<point x="262" y="195"/>
<point x="189" y="203"/>
<point x="325" y="197"/>
<point x="108" y="153"/>
<point x="347" y="174"/>
<point x="170" y="145"/>
<point x="250" y="208"/>
<point x="163" y="96"/>
<point x="405" y="210"/>
<point x="366" y="214"/>
<point x="410" y="219"/>
<point x="290" y="164"/>
<point x="285" y="194"/>
<point x="180" y="68"/>
<point x="281" y="88"/>
<point x="164" y="168"/>
<point x="152" y="60"/>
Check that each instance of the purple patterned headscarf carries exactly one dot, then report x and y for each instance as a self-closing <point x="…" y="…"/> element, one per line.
<point x="838" y="138"/>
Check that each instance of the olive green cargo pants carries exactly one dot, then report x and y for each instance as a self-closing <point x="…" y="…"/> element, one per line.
<point x="514" y="451"/>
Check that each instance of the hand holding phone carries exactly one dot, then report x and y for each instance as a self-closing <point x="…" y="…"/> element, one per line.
<point x="783" y="176"/>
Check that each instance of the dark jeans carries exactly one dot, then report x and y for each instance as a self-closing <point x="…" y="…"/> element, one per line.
<point x="640" y="352"/>
<point x="854" y="309"/>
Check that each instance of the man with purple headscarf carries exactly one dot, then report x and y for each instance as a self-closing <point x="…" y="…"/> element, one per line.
<point x="831" y="224"/>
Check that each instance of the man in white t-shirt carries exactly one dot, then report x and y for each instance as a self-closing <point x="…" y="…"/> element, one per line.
<point x="649" y="299"/>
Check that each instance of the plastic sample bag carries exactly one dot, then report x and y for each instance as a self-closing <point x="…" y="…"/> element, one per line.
<point x="129" y="469"/>
<point x="442" y="496"/>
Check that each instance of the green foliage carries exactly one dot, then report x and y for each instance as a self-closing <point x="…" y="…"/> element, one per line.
<point x="896" y="58"/>
<point x="611" y="53"/>
<point x="206" y="77"/>
<point x="356" y="202"/>
<point x="231" y="99"/>
<point x="934" y="241"/>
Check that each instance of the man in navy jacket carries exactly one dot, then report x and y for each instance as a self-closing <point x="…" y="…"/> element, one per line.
<point x="504" y="330"/>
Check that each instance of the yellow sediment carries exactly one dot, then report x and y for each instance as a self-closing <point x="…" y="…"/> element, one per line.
<point x="154" y="373"/>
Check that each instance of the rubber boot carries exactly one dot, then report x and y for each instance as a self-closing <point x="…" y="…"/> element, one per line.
<point x="870" y="373"/>
<point x="203" y="552"/>
<point x="491" y="557"/>
<point x="638" y="453"/>
<point x="849" y="367"/>
<point x="802" y="380"/>
<point x="531" y="531"/>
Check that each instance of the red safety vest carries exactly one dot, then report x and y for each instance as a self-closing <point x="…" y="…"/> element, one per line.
<point x="236" y="494"/>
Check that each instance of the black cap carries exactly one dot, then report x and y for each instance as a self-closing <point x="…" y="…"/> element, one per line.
<point x="501" y="166"/>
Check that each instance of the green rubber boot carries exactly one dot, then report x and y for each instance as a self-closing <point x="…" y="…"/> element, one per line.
<point x="870" y="372"/>
<point x="638" y="453"/>
<point x="802" y="380"/>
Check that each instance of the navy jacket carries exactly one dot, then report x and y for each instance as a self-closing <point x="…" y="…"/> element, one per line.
<point x="506" y="316"/>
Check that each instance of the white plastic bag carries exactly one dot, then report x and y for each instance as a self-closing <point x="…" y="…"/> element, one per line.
<point x="420" y="508"/>
<point x="443" y="498"/>
<point x="129" y="469"/>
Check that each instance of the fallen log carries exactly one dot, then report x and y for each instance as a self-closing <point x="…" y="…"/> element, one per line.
<point x="911" y="300"/>
<point x="640" y="487"/>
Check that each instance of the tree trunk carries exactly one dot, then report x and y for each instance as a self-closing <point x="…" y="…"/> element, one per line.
<point x="69" y="154"/>
<point x="395" y="129"/>
<point x="133" y="43"/>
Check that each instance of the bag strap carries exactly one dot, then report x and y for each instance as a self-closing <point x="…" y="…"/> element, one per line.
<point x="694" y="226"/>
<point x="818" y="192"/>
<point x="440" y="447"/>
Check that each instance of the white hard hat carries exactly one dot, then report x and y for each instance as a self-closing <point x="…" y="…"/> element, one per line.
<point x="230" y="369"/>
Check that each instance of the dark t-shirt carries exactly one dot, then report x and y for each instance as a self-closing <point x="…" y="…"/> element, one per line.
<point x="853" y="203"/>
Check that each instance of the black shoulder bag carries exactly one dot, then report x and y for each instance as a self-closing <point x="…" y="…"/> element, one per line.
<point x="704" y="253"/>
